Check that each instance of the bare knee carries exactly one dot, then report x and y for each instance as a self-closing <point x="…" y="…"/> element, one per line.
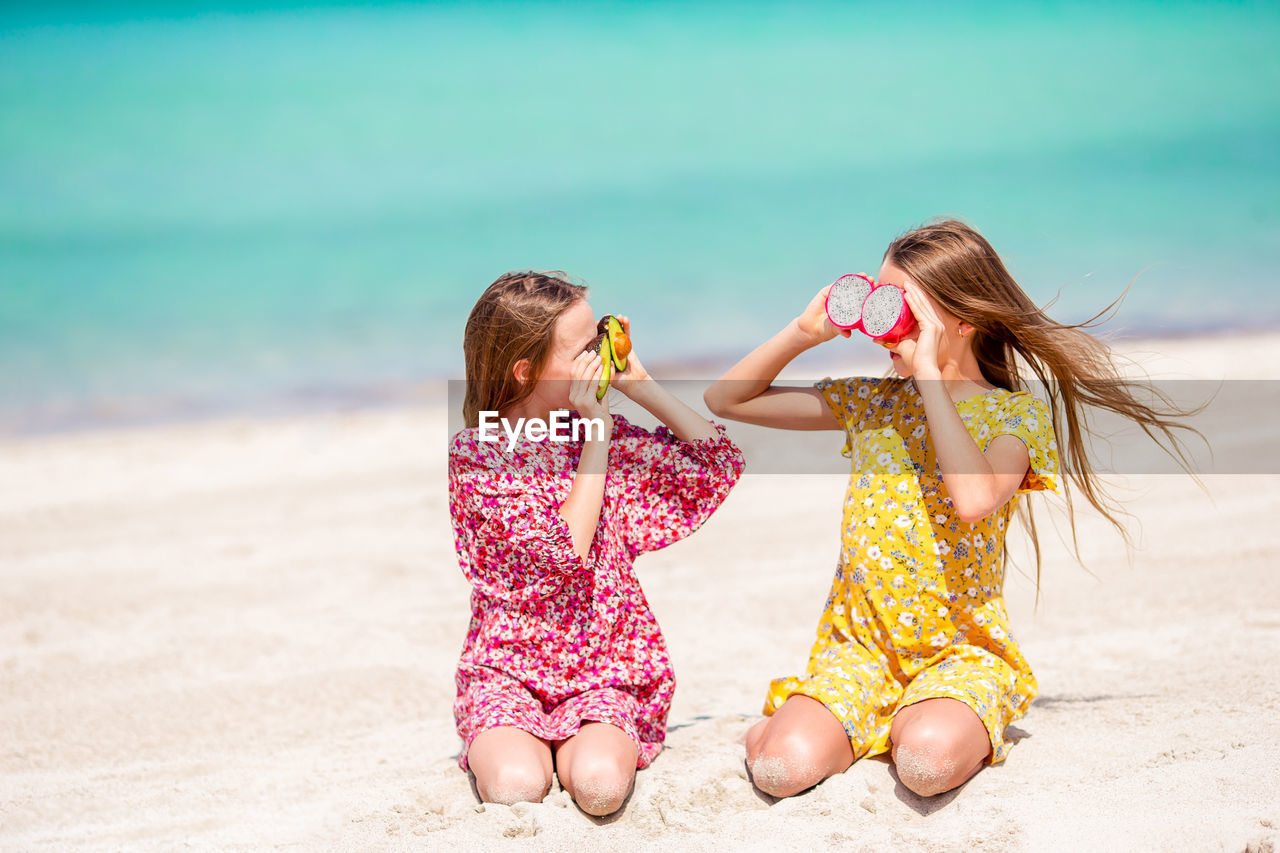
<point x="513" y="782"/>
<point x="787" y="764"/>
<point x="930" y="760"/>
<point x="601" y="783"/>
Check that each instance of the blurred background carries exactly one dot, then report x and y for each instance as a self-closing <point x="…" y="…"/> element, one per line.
<point x="225" y="207"/>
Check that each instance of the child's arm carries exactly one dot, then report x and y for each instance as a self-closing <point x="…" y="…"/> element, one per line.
<point x="636" y="383"/>
<point x="581" y="509"/>
<point x="677" y="475"/>
<point x="979" y="483"/>
<point x="745" y="393"/>
<point x="687" y="424"/>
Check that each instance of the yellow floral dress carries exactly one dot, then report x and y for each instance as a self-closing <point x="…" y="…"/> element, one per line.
<point x="916" y="609"/>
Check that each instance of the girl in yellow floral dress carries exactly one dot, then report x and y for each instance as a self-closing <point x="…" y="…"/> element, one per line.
<point x="914" y="654"/>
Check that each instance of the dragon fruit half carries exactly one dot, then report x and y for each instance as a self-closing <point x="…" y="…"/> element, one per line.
<point x="885" y="314"/>
<point x="845" y="298"/>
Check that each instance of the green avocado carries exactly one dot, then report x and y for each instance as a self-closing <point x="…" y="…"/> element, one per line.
<point x="606" y="356"/>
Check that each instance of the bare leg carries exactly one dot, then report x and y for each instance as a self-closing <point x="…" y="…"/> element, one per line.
<point x="510" y="765"/>
<point x="799" y="746"/>
<point x="937" y="745"/>
<point x="597" y="766"/>
<point x="752" y="738"/>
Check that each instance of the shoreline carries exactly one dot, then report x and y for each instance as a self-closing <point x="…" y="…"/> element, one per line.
<point x="431" y="393"/>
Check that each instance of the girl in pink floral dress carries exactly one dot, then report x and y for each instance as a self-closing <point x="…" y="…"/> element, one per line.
<point x="564" y="668"/>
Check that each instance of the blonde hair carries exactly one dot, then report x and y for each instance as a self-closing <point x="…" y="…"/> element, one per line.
<point x="513" y="319"/>
<point x="956" y="265"/>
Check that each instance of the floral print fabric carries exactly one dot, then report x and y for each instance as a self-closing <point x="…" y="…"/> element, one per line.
<point x="916" y="609"/>
<point x="553" y="640"/>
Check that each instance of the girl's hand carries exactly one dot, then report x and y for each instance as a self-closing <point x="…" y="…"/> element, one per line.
<point x="924" y="355"/>
<point x="638" y="385"/>
<point x="815" y="325"/>
<point x="586" y="374"/>
<point x="628" y="380"/>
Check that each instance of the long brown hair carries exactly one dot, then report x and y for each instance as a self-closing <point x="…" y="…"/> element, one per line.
<point x="958" y="267"/>
<point x="514" y="318"/>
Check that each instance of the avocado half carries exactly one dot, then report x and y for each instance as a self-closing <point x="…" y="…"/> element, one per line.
<point x="619" y="341"/>
<point x="600" y="345"/>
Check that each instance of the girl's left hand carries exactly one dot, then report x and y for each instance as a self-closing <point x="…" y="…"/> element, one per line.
<point x="587" y="371"/>
<point x="627" y="380"/>
<point x="924" y="358"/>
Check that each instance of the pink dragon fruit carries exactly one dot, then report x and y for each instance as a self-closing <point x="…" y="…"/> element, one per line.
<point x="885" y="314"/>
<point x="845" y="298"/>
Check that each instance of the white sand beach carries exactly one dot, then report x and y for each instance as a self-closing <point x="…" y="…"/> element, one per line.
<point x="240" y="635"/>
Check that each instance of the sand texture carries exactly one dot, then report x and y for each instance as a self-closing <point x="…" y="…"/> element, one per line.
<point x="241" y="635"/>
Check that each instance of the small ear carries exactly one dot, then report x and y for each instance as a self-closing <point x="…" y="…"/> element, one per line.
<point x="521" y="370"/>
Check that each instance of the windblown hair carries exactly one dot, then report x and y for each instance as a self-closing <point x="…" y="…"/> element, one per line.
<point x="513" y="319"/>
<point x="955" y="265"/>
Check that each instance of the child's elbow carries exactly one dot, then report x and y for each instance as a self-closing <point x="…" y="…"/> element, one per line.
<point x="715" y="402"/>
<point x="971" y="512"/>
<point x="974" y="500"/>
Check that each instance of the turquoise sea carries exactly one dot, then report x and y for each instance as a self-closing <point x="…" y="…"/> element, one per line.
<point x="226" y="207"/>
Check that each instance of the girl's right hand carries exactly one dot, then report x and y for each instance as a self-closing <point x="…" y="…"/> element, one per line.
<point x="586" y="374"/>
<point x="815" y="325"/>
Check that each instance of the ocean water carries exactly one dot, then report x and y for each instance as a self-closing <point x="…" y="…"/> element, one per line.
<point x="222" y="206"/>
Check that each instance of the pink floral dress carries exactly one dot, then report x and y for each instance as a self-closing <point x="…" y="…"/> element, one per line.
<point x="554" y="641"/>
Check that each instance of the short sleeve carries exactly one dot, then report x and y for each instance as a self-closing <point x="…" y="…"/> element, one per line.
<point x="1026" y="417"/>
<point x="513" y="545"/>
<point x="670" y="487"/>
<point x="850" y="399"/>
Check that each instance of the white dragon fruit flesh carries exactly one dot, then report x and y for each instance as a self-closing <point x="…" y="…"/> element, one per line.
<point x="844" y="300"/>
<point x="885" y="312"/>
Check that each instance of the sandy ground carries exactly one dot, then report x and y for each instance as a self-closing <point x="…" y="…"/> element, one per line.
<point x="241" y="635"/>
